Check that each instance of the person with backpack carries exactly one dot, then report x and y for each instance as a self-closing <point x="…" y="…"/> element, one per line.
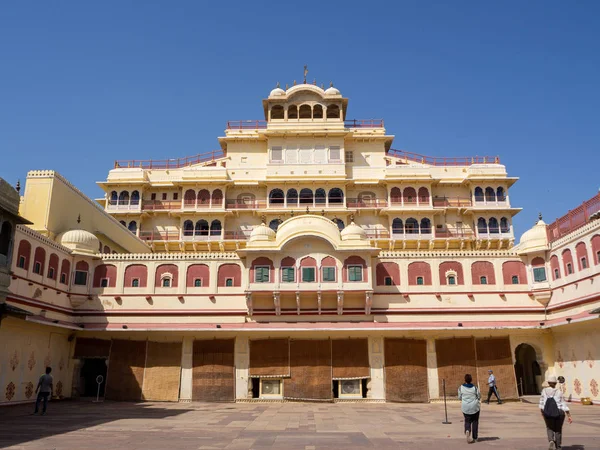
<point x="554" y="408"/>
<point x="470" y="398"/>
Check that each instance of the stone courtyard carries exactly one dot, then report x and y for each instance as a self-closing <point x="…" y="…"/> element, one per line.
<point x="290" y="426"/>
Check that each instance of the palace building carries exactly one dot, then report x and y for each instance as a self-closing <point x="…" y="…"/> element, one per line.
<point x="306" y="259"/>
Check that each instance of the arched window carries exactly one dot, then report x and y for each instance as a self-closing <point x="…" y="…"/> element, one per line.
<point x="204" y="197"/>
<point x="166" y="272"/>
<point x="135" y="198"/>
<point x="482" y="226"/>
<point x="23" y="254"/>
<point x="336" y="196"/>
<point x="114" y="198"/>
<point x="124" y="198"/>
<point x="479" y="197"/>
<point x="39" y="259"/>
<point x="423" y="195"/>
<point x="493" y="225"/>
<point x="292" y="197"/>
<point x="229" y="275"/>
<point x="451" y="272"/>
<point x="189" y="198"/>
<point x="215" y="228"/>
<point x="132" y="226"/>
<point x="412" y="226"/>
<point x="419" y="273"/>
<point x="306" y="196"/>
<point x="317" y="112"/>
<point x="410" y="195"/>
<point x="5" y="235"/>
<point x="292" y="112"/>
<point x="188" y="228"/>
<point x="425" y="226"/>
<point x="333" y="112"/>
<point x="217" y="197"/>
<point x="396" y="195"/>
<point x="305" y="112"/>
<point x="136" y="275"/>
<point x="53" y="266"/>
<point x="490" y="195"/>
<point x="276" y="197"/>
<point x="397" y="226"/>
<point x="274" y="224"/>
<point x="277" y="112"/>
<point x="339" y="223"/>
<point x="201" y="228"/>
<point x="106" y="249"/>
<point x="320" y="196"/>
<point x="500" y="195"/>
<point x="81" y="272"/>
<point x="166" y="281"/>
<point x="504" y="226"/>
<point x="122" y="222"/>
<point x="65" y="270"/>
<point x="539" y="269"/>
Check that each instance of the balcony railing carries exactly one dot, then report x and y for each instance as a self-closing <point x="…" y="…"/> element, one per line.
<point x="159" y="235"/>
<point x="442" y="161"/>
<point x="170" y="163"/>
<point x="495" y="234"/>
<point x="366" y="203"/>
<point x="160" y="205"/>
<point x="246" y="124"/>
<point x="245" y="204"/>
<point x="262" y="124"/>
<point x="574" y="219"/>
<point x="450" y="233"/>
<point x="185" y="236"/>
<point x="363" y="123"/>
<point x="445" y="202"/>
<point x="123" y="205"/>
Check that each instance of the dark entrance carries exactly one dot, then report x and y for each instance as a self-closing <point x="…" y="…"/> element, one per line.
<point x="91" y="368"/>
<point x="527" y="370"/>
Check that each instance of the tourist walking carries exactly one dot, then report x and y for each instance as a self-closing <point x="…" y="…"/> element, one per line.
<point x="493" y="389"/>
<point x="554" y="408"/>
<point x="470" y="398"/>
<point x="44" y="390"/>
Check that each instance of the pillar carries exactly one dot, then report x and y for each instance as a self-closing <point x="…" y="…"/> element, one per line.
<point x="432" y="370"/>
<point x="242" y="362"/>
<point x="185" y="390"/>
<point x="376" y="384"/>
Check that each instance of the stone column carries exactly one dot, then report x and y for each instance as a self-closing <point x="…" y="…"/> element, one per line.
<point x="432" y="370"/>
<point x="185" y="390"/>
<point x="376" y="384"/>
<point x="242" y="361"/>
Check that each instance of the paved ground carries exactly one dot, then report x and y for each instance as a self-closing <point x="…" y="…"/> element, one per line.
<point x="288" y="426"/>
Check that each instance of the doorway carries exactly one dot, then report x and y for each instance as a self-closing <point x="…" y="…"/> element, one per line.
<point x="527" y="370"/>
<point x="90" y="369"/>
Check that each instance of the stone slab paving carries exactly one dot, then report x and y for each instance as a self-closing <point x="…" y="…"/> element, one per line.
<point x="286" y="426"/>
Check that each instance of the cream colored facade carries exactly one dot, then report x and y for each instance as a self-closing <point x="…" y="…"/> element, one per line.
<point x="305" y="226"/>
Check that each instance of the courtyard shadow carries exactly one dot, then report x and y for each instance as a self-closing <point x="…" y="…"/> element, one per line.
<point x="573" y="447"/>
<point x="486" y="439"/>
<point x="19" y="425"/>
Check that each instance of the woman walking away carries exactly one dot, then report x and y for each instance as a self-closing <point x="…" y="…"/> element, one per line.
<point x="470" y="398"/>
<point x="554" y="408"/>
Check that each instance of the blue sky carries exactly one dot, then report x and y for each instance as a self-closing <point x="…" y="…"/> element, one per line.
<point x="85" y="83"/>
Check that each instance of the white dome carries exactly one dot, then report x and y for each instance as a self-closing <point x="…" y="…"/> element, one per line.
<point x="332" y="91"/>
<point x="79" y="241"/>
<point x="352" y="232"/>
<point x="262" y="233"/>
<point x="534" y="240"/>
<point x="277" y="92"/>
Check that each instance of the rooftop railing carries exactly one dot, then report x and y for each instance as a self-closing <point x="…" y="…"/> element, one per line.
<point x="169" y="163"/>
<point x="262" y="124"/>
<point x="574" y="219"/>
<point x="443" y="161"/>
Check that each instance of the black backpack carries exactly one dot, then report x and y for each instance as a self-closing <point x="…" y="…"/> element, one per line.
<point x="551" y="408"/>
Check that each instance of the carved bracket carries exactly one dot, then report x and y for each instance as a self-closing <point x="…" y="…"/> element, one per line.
<point x="277" y="303"/>
<point x="368" y="302"/>
<point x="340" y="302"/>
<point x="298" y="302"/>
<point x="319" y="301"/>
<point x="249" y="302"/>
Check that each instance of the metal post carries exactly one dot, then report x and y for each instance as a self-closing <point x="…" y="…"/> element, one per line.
<point x="445" y="406"/>
<point x="99" y="380"/>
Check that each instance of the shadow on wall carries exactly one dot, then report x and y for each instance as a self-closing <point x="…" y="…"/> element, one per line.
<point x="18" y="427"/>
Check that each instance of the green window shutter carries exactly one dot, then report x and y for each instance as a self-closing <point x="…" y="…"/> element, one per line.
<point x="328" y="273"/>
<point x="539" y="274"/>
<point x="355" y="273"/>
<point x="287" y="275"/>
<point x="308" y="274"/>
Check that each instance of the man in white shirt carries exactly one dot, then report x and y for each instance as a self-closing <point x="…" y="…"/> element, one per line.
<point x="554" y="424"/>
<point x="493" y="389"/>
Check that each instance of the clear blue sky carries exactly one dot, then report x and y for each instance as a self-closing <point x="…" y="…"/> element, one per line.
<point x="85" y="83"/>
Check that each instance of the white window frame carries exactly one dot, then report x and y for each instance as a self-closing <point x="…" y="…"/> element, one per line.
<point x="422" y="283"/>
<point x="293" y="269"/>
<point x="196" y="280"/>
<point x="51" y="273"/>
<point x="268" y="273"/>
<point x="569" y="269"/>
<point x="354" y="266"/>
<point x="21" y="262"/>
<point x="75" y="278"/>
<point x="483" y="280"/>
<point x="334" y="274"/>
<point x="277" y="161"/>
<point x="451" y="274"/>
<point x="545" y="274"/>
<point x="133" y="280"/>
<point x="512" y="279"/>
<point x="229" y="279"/>
<point x="37" y="267"/>
<point x="584" y="264"/>
<point x="349" y="156"/>
<point x="314" y="274"/>
<point x="330" y="158"/>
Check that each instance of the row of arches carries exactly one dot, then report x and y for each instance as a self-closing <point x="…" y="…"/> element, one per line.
<point x="409" y="195"/>
<point x="581" y="254"/>
<point x="39" y="265"/>
<point x="306" y="111"/>
<point x="490" y="194"/>
<point x="306" y="196"/>
<point x="202" y="228"/>
<point x="203" y="198"/>
<point x="123" y="198"/>
<point x="411" y="226"/>
<point x="492" y="226"/>
<point x="131" y="226"/>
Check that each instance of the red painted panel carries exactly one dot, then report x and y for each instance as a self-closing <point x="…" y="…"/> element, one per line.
<point x="105" y="271"/>
<point x="40" y="256"/>
<point x="581" y="252"/>
<point x="567" y="258"/>
<point x="166" y="268"/>
<point x="512" y="268"/>
<point x="387" y="269"/>
<point x="454" y="266"/>
<point x="596" y="248"/>
<point x="138" y="271"/>
<point x="263" y="261"/>
<point x="554" y="266"/>
<point x="24" y="251"/>
<point x="53" y="264"/>
<point x="538" y="262"/>
<point x="229" y="271"/>
<point x="354" y="261"/>
<point x="65" y="267"/>
<point x="196" y="271"/>
<point x="423" y="195"/>
<point x="82" y="266"/>
<point x="328" y="261"/>
<point x="419" y="269"/>
<point x="483" y="269"/>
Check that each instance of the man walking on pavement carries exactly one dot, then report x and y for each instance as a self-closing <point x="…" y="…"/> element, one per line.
<point x="493" y="389"/>
<point x="45" y="387"/>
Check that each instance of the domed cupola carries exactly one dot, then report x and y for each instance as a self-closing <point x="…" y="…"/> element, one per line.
<point x="80" y="242"/>
<point x="277" y="92"/>
<point x="535" y="239"/>
<point x="331" y="90"/>
<point x="262" y="233"/>
<point x="353" y="233"/>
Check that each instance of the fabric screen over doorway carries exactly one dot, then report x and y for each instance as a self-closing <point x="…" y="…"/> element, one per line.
<point x="163" y="372"/>
<point x="455" y="358"/>
<point x="495" y="354"/>
<point x="269" y="358"/>
<point x="350" y="358"/>
<point x="91" y="348"/>
<point x="126" y="370"/>
<point x="406" y="370"/>
<point x="213" y="373"/>
<point x="310" y="362"/>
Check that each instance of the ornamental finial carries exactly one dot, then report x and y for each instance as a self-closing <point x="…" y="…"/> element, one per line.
<point x="79" y="218"/>
<point x="351" y="218"/>
<point x="18" y="186"/>
<point x="540" y="216"/>
<point x="305" y="72"/>
<point x="307" y="210"/>
<point x="277" y="84"/>
<point x="263" y="219"/>
<point x="331" y="84"/>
